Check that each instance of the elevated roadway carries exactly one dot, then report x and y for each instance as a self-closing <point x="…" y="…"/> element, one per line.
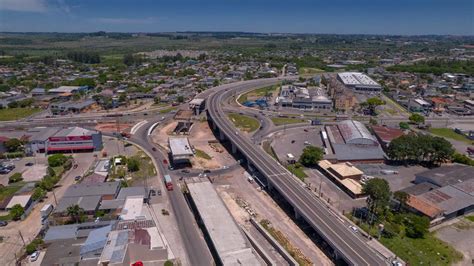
<point x="346" y="244"/>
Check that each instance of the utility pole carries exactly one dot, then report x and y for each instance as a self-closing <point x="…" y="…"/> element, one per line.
<point x="54" y="196"/>
<point x="22" y="239"/>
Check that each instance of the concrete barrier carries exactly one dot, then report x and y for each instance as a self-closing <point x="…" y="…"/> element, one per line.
<point x="258" y="248"/>
<point x="275" y="243"/>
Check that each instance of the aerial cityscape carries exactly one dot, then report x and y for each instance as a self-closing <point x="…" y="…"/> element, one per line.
<point x="236" y="132"/>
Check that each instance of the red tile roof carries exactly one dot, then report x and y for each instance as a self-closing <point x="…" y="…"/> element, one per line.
<point x="387" y="134"/>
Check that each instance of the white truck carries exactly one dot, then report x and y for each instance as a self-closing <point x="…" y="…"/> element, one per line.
<point x="45" y="211"/>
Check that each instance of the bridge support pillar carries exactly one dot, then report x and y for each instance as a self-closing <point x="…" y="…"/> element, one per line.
<point x="214" y="126"/>
<point x="234" y="148"/>
<point x="297" y="215"/>
<point x="336" y="255"/>
<point x="221" y="135"/>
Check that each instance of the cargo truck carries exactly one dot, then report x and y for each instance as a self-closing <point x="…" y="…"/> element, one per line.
<point x="45" y="211"/>
<point x="168" y="183"/>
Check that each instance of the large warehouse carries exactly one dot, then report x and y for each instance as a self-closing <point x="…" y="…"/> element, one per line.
<point x="359" y="82"/>
<point x="64" y="140"/>
<point x="351" y="141"/>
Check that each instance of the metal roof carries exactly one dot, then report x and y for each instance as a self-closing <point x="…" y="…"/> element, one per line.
<point x="352" y="130"/>
<point x="96" y="240"/>
<point x="100" y="189"/>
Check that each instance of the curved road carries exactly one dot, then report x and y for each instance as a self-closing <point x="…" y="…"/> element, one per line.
<point x="353" y="249"/>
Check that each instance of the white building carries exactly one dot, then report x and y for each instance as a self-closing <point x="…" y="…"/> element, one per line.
<point x="359" y="82"/>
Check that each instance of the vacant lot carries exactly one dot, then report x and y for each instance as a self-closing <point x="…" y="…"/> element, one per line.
<point x="265" y="91"/>
<point x="422" y="251"/>
<point x="450" y="134"/>
<point x="245" y="123"/>
<point x="10" y="114"/>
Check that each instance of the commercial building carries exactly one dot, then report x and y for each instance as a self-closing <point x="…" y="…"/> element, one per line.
<point x="419" y="105"/>
<point x="226" y="238"/>
<point x="181" y="151"/>
<point x="359" y="82"/>
<point x="74" y="139"/>
<point x="303" y="98"/>
<point x="71" y="107"/>
<point x="24" y="200"/>
<point x="386" y="134"/>
<point x="443" y="193"/>
<point x="345" y="175"/>
<point x="64" y="140"/>
<point x="67" y="89"/>
<point x="351" y="141"/>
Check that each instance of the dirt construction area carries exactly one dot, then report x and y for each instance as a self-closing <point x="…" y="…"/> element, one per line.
<point x="243" y="198"/>
<point x="210" y="154"/>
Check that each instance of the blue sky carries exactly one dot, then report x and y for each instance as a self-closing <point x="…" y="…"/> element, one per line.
<point x="294" y="16"/>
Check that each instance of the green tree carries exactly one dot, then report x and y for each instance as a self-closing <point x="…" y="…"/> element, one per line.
<point x="13" y="145"/>
<point x="16" y="177"/>
<point x="157" y="99"/>
<point x="133" y="165"/>
<point x="404" y="125"/>
<point x="311" y="156"/>
<point x="372" y="103"/>
<point x="417" y="119"/>
<point x="378" y="192"/>
<point x="416" y="226"/>
<point x="17" y="211"/>
<point x="180" y="99"/>
<point x="462" y="159"/>
<point x="38" y="193"/>
<point x="75" y="212"/>
<point x="401" y="197"/>
<point x="56" y="160"/>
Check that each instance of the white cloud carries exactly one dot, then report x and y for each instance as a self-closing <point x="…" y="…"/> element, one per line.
<point x="148" y="20"/>
<point x="24" y="5"/>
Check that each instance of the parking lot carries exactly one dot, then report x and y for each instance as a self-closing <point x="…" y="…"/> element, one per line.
<point x="32" y="168"/>
<point x="401" y="180"/>
<point x="294" y="140"/>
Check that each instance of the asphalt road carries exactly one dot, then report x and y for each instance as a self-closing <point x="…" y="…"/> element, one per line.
<point x="329" y="225"/>
<point x="196" y="247"/>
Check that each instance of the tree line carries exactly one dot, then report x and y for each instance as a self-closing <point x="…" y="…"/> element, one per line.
<point x="84" y="57"/>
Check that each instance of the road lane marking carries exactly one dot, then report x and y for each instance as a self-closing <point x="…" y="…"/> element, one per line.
<point x="137" y="126"/>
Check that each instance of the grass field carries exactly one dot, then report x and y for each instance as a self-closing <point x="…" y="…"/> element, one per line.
<point x="10" y="114"/>
<point x="423" y="251"/>
<point x="202" y="154"/>
<point x="470" y="218"/>
<point x="257" y="93"/>
<point x="297" y="171"/>
<point x="245" y="123"/>
<point x="450" y="134"/>
<point x="10" y="190"/>
<point x="167" y="110"/>
<point x="278" y="121"/>
<point x="310" y="71"/>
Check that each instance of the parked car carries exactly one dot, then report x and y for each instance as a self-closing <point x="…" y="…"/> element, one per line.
<point x="185" y="171"/>
<point x="3" y="223"/>
<point x="77" y="178"/>
<point x="207" y="171"/>
<point x="4" y="171"/>
<point x="34" y="256"/>
<point x="153" y="149"/>
<point x="29" y="164"/>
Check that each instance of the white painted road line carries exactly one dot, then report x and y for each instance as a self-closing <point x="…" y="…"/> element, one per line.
<point x="150" y="130"/>
<point x="137" y="126"/>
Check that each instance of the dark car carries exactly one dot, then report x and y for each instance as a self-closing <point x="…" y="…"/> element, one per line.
<point x="29" y="164"/>
<point x="207" y="171"/>
<point x="185" y="171"/>
<point x="5" y="171"/>
<point x="152" y="193"/>
<point x="3" y="223"/>
<point x="153" y="149"/>
<point x="9" y="167"/>
<point x="77" y="178"/>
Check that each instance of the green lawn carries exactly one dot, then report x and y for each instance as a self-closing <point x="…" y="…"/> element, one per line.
<point x="297" y="171"/>
<point x="246" y="123"/>
<point x="310" y="71"/>
<point x="423" y="251"/>
<point x="9" y="114"/>
<point x="167" y="110"/>
<point x="278" y="121"/>
<point x="470" y="218"/>
<point x="450" y="134"/>
<point x="10" y="190"/>
<point x="257" y="93"/>
<point x="202" y="154"/>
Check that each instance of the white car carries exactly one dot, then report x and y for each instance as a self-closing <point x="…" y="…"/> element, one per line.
<point x="354" y="229"/>
<point x="34" y="256"/>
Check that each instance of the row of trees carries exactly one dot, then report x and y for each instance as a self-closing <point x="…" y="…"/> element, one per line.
<point x="417" y="148"/>
<point x="84" y="57"/>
